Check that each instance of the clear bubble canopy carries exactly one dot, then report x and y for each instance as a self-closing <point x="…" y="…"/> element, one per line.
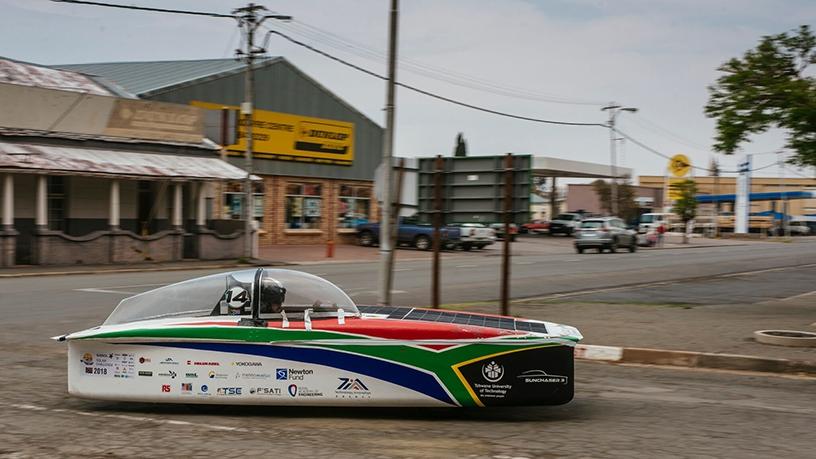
<point x="236" y="293"/>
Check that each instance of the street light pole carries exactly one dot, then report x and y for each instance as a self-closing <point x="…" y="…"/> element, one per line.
<point x="250" y="18"/>
<point x="613" y="110"/>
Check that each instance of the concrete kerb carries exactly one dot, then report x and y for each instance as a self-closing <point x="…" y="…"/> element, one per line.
<point x="688" y="359"/>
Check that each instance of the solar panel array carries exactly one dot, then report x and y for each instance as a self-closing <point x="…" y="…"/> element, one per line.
<point x="463" y="318"/>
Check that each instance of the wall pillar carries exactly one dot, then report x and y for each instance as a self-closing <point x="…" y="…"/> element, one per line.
<point x="8" y="235"/>
<point x="115" y="208"/>
<point x="177" y="203"/>
<point x="201" y="205"/>
<point x="41" y="219"/>
<point x="8" y="202"/>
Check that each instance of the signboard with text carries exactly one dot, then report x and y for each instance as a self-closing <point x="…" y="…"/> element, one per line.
<point x="292" y="137"/>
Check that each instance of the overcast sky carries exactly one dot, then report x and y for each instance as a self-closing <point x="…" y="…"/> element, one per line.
<point x="656" y="55"/>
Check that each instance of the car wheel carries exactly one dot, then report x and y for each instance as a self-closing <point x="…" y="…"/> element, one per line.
<point x="480" y="246"/>
<point x="579" y="249"/>
<point x="366" y="239"/>
<point x="466" y="247"/>
<point x="613" y="246"/>
<point x="422" y="242"/>
<point x="633" y="245"/>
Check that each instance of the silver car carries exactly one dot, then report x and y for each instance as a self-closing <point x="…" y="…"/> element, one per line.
<point x="607" y="233"/>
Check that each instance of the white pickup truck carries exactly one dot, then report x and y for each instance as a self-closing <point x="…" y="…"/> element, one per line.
<point x="475" y="235"/>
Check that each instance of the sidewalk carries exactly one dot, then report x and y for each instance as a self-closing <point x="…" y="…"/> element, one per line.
<point x="720" y="329"/>
<point x="343" y="253"/>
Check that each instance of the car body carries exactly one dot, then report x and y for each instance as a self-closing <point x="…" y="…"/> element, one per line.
<point x="794" y="228"/>
<point x="498" y="228"/>
<point x="605" y="233"/>
<point x="650" y="221"/>
<point x="535" y="227"/>
<point x="410" y="233"/>
<point x="225" y="339"/>
<point x="474" y="235"/>
<point x="565" y="223"/>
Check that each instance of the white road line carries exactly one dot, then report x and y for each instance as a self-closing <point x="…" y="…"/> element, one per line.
<point x="126" y="417"/>
<point x="524" y="263"/>
<point x="801" y="295"/>
<point x="467" y="266"/>
<point x="101" y="290"/>
<point x="402" y="270"/>
<point x="374" y="292"/>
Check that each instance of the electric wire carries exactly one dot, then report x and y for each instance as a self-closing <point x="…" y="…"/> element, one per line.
<point x="147" y="8"/>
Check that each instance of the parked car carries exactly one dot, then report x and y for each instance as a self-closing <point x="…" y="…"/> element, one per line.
<point x="794" y="228"/>
<point x="607" y="233"/>
<point x="651" y="221"/>
<point x="410" y="232"/>
<point x="475" y="235"/>
<point x="535" y="227"/>
<point x="565" y="223"/>
<point x="499" y="229"/>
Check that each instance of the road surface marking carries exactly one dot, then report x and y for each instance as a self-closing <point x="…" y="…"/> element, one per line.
<point x="101" y="290"/>
<point x="525" y="263"/>
<point x="402" y="270"/>
<point x="467" y="266"/>
<point x="801" y="295"/>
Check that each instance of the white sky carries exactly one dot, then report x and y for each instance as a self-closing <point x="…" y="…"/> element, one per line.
<point x="656" y="55"/>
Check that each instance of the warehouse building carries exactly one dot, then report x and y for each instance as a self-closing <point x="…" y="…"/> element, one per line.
<point x="315" y="153"/>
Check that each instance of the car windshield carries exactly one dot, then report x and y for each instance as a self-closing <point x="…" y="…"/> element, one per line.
<point x="647" y="218"/>
<point x="565" y="217"/>
<point x="214" y="294"/>
<point x="592" y="224"/>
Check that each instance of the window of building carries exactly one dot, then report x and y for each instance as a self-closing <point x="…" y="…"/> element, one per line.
<point x="234" y="200"/>
<point x="353" y="206"/>
<point x="56" y="202"/>
<point x="304" y="204"/>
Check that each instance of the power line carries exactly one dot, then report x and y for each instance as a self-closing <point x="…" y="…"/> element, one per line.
<point x="436" y="73"/>
<point x="146" y="8"/>
<point x="429" y="93"/>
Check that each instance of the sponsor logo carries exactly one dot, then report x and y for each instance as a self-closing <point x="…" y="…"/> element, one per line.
<point x="492" y="372"/>
<point x="169" y="374"/>
<point x="228" y="391"/>
<point x="186" y="387"/>
<point x="202" y="364"/>
<point x="247" y="364"/>
<point x="168" y="361"/>
<point x="191" y="375"/>
<point x="96" y="371"/>
<point x="541" y="376"/>
<point x="204" y="388"/>
<point x="293" y="390"/>
<point x="301" y="391"/>
<point x="352" y="388"/>
<point x="144" y="360"/>
<point x="214" y="375"/>
<point x="252" y="375"/>
<point x="87" y="358"/>
<point x="272" y="391"/>
<point x="293" y="374"/>
<point x="165" y="388"/>
<point x="145" y="373"/>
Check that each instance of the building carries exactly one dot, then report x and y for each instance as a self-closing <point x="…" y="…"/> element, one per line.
<point x="582" y="197"/>
<point x="315" y="153"/>
<point x="91" y="177"/>
<point x="727" y="185"/>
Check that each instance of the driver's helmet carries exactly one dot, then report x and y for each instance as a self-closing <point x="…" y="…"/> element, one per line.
<point x="273" y="294"/>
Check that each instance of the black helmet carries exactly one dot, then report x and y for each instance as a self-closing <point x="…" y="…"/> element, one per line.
<point x="272" y="295"/>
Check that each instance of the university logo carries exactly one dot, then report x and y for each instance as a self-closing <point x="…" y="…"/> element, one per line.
<point x="492" y="372"/>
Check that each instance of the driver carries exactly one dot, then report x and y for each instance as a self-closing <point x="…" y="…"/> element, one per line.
<point x="273" y="294"/>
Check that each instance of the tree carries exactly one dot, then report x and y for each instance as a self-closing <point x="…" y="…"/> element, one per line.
<point x="461" y="147"/>
<point x="627" y="207"/>
<point x="685" y="206"/>
<point x="768" y="88"/>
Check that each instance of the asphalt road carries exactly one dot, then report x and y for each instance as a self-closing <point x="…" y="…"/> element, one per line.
<point x="618" y="411"/>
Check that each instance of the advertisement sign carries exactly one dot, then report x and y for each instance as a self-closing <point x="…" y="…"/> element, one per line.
<point x="742" y="205"/>
<point x="292" y="137"/>
<point x="679" y="169"/>
<point x="156" y="121"/>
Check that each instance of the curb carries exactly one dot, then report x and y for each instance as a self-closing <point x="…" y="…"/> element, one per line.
<point x="688" y="359"/>
<point x="137" y="269"/>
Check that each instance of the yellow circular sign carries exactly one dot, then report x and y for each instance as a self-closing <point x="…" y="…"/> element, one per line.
<point x="679" y="165"/>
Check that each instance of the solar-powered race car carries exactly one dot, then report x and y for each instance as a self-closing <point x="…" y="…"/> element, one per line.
<point x="281" y="337"/>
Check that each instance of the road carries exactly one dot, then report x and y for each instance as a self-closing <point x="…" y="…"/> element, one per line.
<point x="618" y="411"/>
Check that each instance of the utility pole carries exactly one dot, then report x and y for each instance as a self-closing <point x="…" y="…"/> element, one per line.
<point x="250" y="18"/>
<point x="613" y="110"/>
<point x="386" y="247"/>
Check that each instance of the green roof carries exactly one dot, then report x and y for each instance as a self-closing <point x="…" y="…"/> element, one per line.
<point x="141" y="78"/>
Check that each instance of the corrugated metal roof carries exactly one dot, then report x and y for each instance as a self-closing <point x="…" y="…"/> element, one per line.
<point x="144" y="77"/>
<point x="21" y="73"/>
<point x="205" y="144"/>
<point x="26" y="157"/>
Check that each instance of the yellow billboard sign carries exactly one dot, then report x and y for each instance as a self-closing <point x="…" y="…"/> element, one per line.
<point x="679" y="165"/>
<point x="293" y="137"/>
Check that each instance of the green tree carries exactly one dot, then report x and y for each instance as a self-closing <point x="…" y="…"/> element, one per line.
<point x="685" y="206"/>
<point x="627" y="207"/>
<point x="461" y="147"/>
<point x="766" y="88"/>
